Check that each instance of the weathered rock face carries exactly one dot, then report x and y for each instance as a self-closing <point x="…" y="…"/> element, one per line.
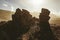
<point x="19" y="24"/>
<point x="22" y="17"/>
<point x="45" y="31"/>
<point x="44" y="15"/>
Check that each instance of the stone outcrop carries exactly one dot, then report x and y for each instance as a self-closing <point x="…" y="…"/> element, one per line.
<point x="19" y="24"/>
<point x="45" y="31"/>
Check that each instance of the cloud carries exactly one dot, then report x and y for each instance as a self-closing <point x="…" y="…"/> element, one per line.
<point x="5" y="5"/>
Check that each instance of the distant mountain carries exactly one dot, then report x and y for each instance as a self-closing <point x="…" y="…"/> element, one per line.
<point x="5" y="15"/>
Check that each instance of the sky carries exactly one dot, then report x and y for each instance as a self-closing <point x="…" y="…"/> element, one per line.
<point x="31" y="5"/>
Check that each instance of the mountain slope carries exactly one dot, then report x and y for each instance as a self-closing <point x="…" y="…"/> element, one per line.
<point x="5" y="15"/>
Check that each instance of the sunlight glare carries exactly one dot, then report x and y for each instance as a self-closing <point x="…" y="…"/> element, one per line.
<point x="12" y="8"/>
<point x="36" y="2"/>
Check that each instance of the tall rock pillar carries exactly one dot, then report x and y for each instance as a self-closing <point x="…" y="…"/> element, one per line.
<point x="45" y="31"/>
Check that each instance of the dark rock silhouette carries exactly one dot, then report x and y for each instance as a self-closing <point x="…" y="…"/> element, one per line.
<point x="23" y="23"/>
<point x="19" y="25"/>
<point x="45" y="31"/>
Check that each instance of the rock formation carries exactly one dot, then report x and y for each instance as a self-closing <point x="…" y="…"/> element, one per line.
<point x="45" y="31"/>
<point x="19" y="24"/>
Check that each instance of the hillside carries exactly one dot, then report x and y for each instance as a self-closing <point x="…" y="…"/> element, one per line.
<point x="54" y="19"/>
<point x="5" y="15"/>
